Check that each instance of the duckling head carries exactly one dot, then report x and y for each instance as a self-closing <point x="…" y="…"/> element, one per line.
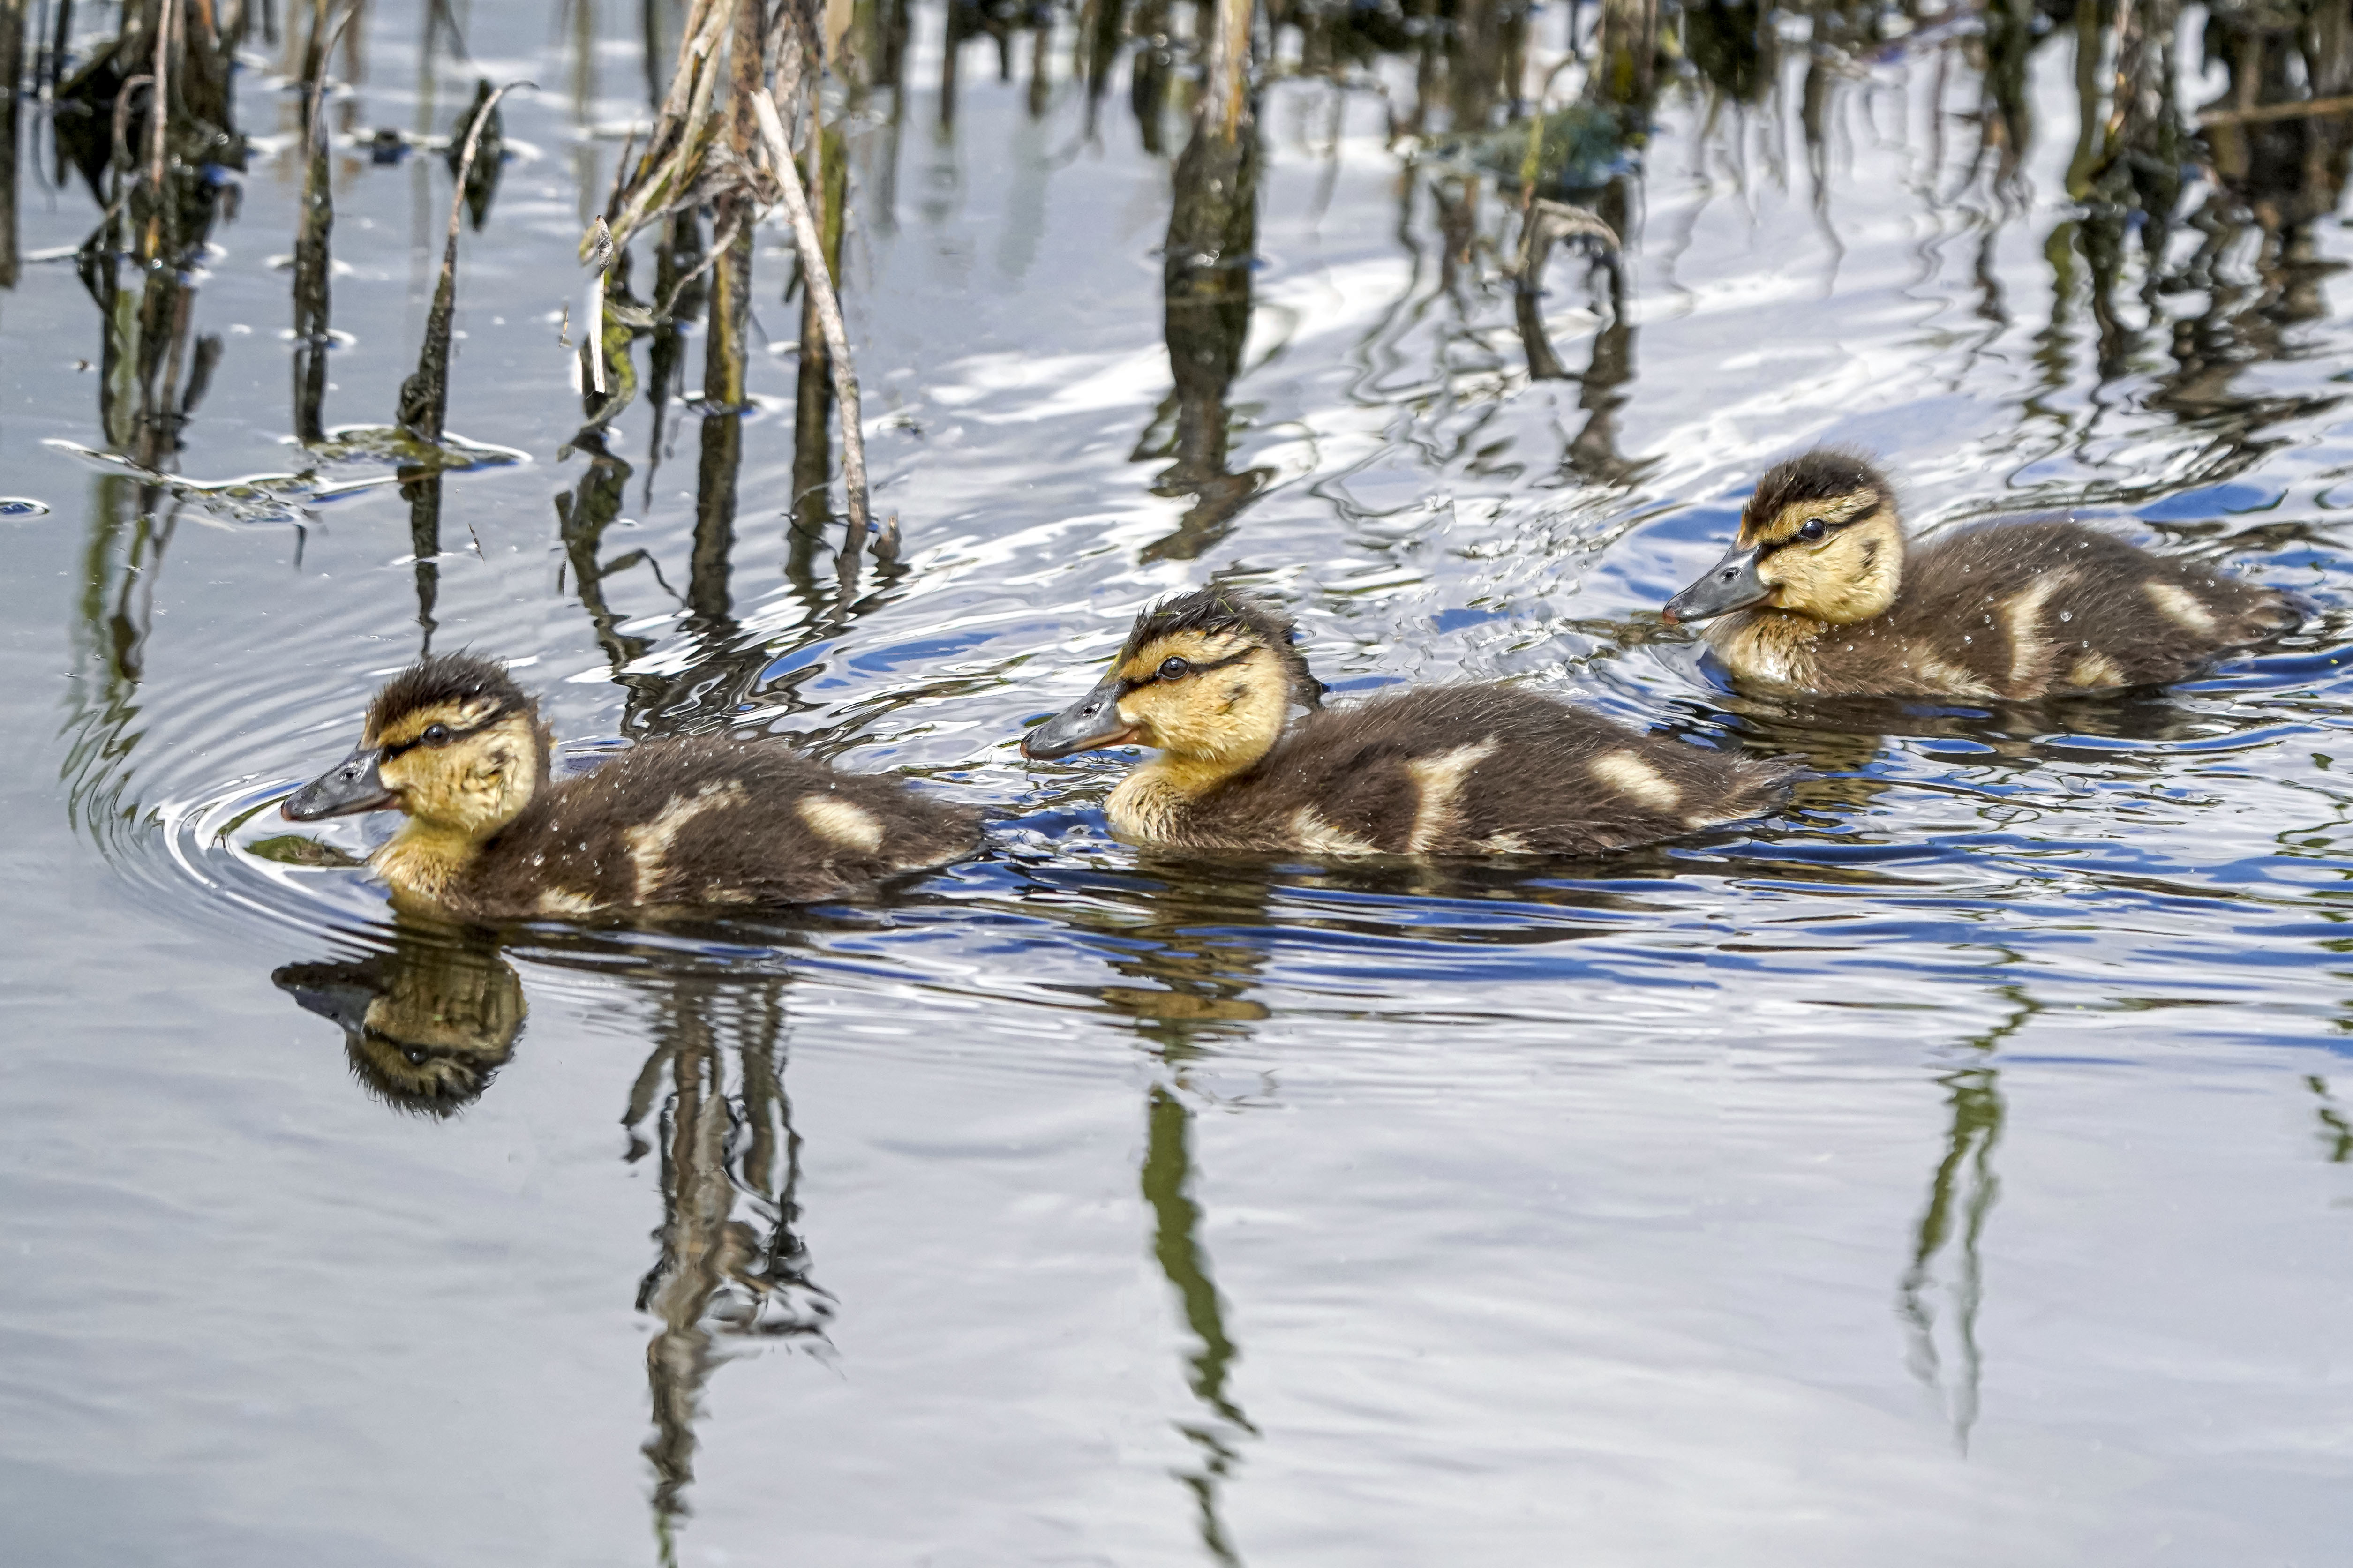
<point x="1209" y="677"/>
<point x="450" y="740"/>
<point x="1820" y="537"/>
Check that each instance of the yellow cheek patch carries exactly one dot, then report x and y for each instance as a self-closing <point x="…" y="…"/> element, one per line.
<point x="1135" y="710"/>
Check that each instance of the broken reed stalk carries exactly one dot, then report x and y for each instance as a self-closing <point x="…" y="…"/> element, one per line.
<point x="1547" y="224"/>
<point x="314" y="47"/>
<point x="810" y="240"/>
<point x="311" y="291"/>
<point x="729" y="154"/>
<point x="425" y="396"/>
<point x="106" y="234"/>
<point x="671" y="167"/>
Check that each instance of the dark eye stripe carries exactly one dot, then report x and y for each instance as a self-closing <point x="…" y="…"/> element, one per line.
<point x="1137" y="682"/>
<point x="388" y="752"/>
<point x="1829" y="528"/>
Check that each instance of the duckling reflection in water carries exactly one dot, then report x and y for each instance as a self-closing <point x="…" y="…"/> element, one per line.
<point x="457" y="746"/>
<point x="426" y="1026"/>
<point x="1212" y="679"/>
<point x="1819" y="592"/>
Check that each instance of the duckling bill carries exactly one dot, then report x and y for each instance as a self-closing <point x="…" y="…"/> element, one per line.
<point x="1821" y="592"/>
<point x="457" y="747"/>
<point x="1212" y="679"/>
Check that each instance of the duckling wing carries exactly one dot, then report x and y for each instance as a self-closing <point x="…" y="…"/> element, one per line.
<point x="707" y="821"/>
<point x="2030" y="608"/>
<point x="1488" y="770"/>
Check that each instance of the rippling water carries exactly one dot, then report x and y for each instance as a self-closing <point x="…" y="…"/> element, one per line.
<point x="1951" y="1168"/>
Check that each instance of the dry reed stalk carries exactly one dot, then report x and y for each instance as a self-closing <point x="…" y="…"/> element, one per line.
<point x="736" y="156"/>
<point x="159" y="118"/>
<point x="670" y="172"/>
<point x="1226" y="65"/>
<point x="809" y="239"/>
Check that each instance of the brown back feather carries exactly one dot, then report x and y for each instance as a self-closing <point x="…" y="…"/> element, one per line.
<point x="758" y="847"/>
<point x="1352" y="768"/>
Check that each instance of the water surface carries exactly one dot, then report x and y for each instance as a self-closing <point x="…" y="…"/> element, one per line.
<point x="1950" y="1170"/>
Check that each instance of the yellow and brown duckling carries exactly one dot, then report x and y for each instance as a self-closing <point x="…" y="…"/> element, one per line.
<point x="1212" y="679"/>
<point x="458" y="748"/>
<point x="1821" y="592"/>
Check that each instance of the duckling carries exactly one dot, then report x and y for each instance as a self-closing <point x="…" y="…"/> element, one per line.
<point x="1819" y="592"/>
<point x="458" y="747"/>
<point x="1212" y="679"/>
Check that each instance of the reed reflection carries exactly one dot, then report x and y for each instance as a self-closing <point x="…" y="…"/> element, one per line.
<point x="1206" y="263"/>
<point x="726" y="671"/>
<point x="429" y="1022"/>
<point x="1946" y="1261"/>
<point x="130" y="531"/>
<point x="2336" y="1130"/>
<point x="1168" y="1179"/>
<point x="155" y="370"/>
<point x="679" y="285"/>
<point x="1593" y="453"/>
<point x="714" y="1091"/>
<point x="1186" y="954"/>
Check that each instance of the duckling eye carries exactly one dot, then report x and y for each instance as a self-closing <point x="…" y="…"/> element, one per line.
<point x="1174" y="669"/>
<point x="1814" y="528"/>
<point x="435" y="735"/>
